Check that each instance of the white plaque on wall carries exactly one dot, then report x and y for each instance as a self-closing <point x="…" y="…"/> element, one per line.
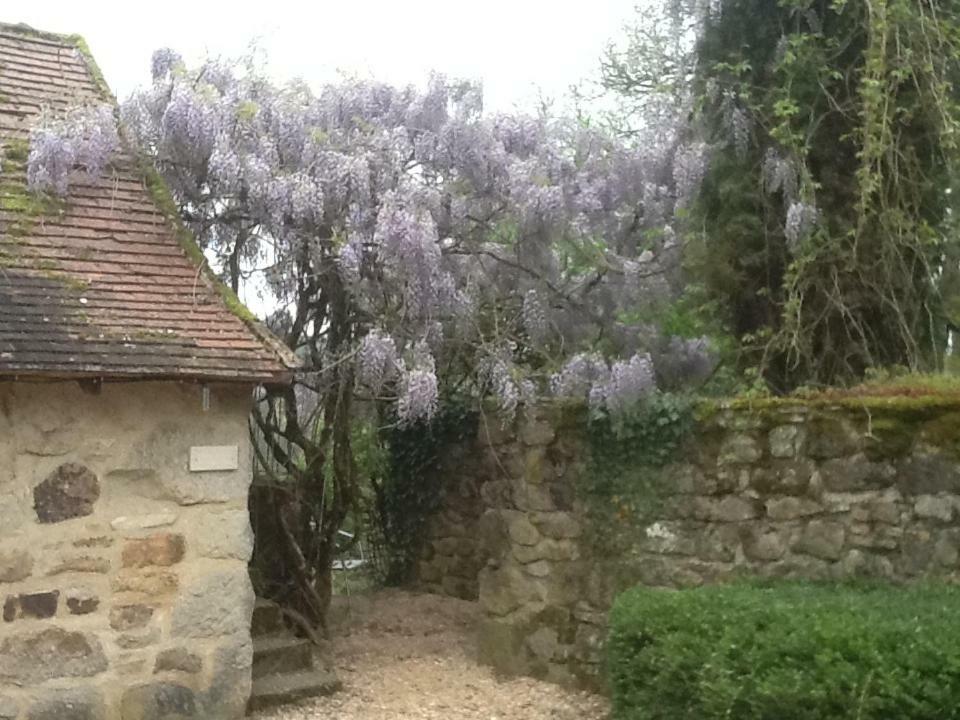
<point x="214" y="457"/>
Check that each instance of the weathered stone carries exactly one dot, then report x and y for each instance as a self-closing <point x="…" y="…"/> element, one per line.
<point x="822" y="539"/>
<point x="783" y="477"/>
<point x="501" y="646"/>
<point x="80" y="564"/>
<point x="884" y="511"/>
<point x="15" y="565"/>
<point x="856" y="473"/>
<point x="928" y="474"/>
<point x="544" y="643"/>
<point x="505" y="589"/>
<point x="144" y="522"/>
<point x="739" y="448"/>
<point x="68" y="492"/>
<point x="73" y="704"/>
<point x="538" y="568"/>
<point x="935" y="507"/>
<point x="831" y="437"/>
<point x="522" y="530"/>
<point x="688" y="479"/>
<point x="81" y="603"/>
<point x="162" y="549"/>
<point x="150" y="582"/>
<point x="727" y="509"/>
<point x="857" y="564"/>
<point x="138" y="638"/>
<point x="762" y="544"/>
<point x="158" y="701"/>
<point x="669" y="539"/>
<point x="719" y="543"/>
<point x="216" y="603"/>
<point x="34" y="657"/>
<point x="537" y="432"/>
<point x="11" y="608"/>
<point x="791" y="508"/>
<point x="882" y="537"/>
<point x="946" y="552"/>
<point x="554" y="550"/>
<point x="224" y="535"/>
<point x="178" y="660"/>
<point x="786" y="441"/>
<point x="916" y="552"/>
<point x="558" y="525"/>
<point x="40" y="605"/>
<point x="130" y="617"/>
<point x="100" y="541"/>
<point x="9" y="708"/>
<point x="229" y="687"/>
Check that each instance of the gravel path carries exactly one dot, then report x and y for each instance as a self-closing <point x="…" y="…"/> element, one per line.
<point x="407" y="656"/>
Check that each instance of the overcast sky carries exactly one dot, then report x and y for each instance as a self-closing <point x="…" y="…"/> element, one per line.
<point x="513" y="46"/>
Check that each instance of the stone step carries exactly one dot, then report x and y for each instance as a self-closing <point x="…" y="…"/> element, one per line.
<point x="281" y="653"/>
<point x="283" y="688"/>
<point x="267" y="618"/>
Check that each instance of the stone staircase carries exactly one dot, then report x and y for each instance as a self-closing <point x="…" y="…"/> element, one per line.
<point x="285" y="668"/>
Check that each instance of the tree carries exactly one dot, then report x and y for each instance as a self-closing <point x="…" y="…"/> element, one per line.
<point x="826" y="210"/>
<point x="406" y="243"/>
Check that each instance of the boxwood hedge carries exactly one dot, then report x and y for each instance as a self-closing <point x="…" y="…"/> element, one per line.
<point x="786" y="652"/>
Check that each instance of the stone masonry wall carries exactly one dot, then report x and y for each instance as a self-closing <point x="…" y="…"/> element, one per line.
<point x="123" y="575"/>
<point x="814" y="491"/>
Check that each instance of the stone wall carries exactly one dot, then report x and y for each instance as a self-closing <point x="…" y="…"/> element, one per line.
<point x="123" y="575"/>
<point x="816" y="491"/>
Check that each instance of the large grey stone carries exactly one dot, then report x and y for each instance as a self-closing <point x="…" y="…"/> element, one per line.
<point x="763" y="544"/>
<point x="214" y="604"/>
<point x="739" y="448"/>
<point x="856" y="473"/>
<point x="783" y="477"/>
<point x="935" y="507"/>
<point x="158" y="701"/>
<point x="230" y="680"/>
<point x="15" y="565"/>
<point x="506" y="589"/>
<point x="728" y="509"/>
<point x="544" y="643"/>
<point x="34" y="657"/>
<point x="68" y="492"/>
<point x="9" y="709"/>
<point x="687" y="479"/>
<point x="521" y="530"/>
<point x="791" y="508"/>
<point x="928" y="474"/>
<point x="822" y="539"/>
<point x="224" y="535"/>
<point x="557" y="525"/>
<point x="786" y="441"/>
<point x="72" y="704"/>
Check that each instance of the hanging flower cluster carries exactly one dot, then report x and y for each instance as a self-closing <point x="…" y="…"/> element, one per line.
<point x="85" y="138"/>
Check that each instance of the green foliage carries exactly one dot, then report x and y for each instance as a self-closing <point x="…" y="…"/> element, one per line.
<point x="621" y="483"/>
<point x="410" y="492"/>
<point x="786" y="652"/>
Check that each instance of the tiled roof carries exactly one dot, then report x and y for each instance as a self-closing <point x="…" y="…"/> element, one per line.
<point x="100" y="285"/>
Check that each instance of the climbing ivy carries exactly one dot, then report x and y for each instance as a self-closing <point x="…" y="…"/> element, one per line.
<point x="623" y="479"/>
<point x="411" y="489"/>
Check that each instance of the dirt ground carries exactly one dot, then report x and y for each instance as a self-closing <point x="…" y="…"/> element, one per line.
<point x="406" y="656"/>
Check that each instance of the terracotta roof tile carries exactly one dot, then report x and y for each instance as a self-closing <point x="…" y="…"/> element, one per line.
<point x="99" y="286"/>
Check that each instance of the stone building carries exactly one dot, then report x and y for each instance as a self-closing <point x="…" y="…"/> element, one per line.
<point x="126" y="379"/>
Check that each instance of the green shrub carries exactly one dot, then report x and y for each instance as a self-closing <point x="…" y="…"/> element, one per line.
<point x="786" y="652"/>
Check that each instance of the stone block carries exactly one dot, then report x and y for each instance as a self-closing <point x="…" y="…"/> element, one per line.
<point x="557" y="525"/>
<point x="224" y="535"/>
<point x="72" y="704"/>
<point x="89" y="564"/>
<point x="162" y="549"/>
<point x="521" y="530"/>
<point x="783" y="477"/>
<point x="858" y="564"/>
<point x="158" y="701"/>
<point x="501" y="646"/>
<point x="15" y="565"/>
<point x="39" y="605"/>
<point x="151" y="582"/>
<point x="727" y="509"/>
<point x="34" y="657"/>
<point x="82" y="603"/>
<point x="762" y="544"/>
<point x="792" y="508"/>
<point x="786" y="441"/>
<point x="821" y="539"/>
<point x="739" y="449"/>
<point x="68" y="492"/>
<point x="688" y="479"/>
<point x="928" y="474"/>
<point x="125" y="523"/>
<point x="178" y="660"/>
<point x="130" y="617"/>
<point x="506" y="589"/>
<point x="935" y="507"/>
<point x="553" y="550"/>
<point x="215" y="603"/>
<point x="543" y="643"/>
<point x="856" y="473"/>
<point x="230" y="679"/>
<point x="831" y="437"/>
